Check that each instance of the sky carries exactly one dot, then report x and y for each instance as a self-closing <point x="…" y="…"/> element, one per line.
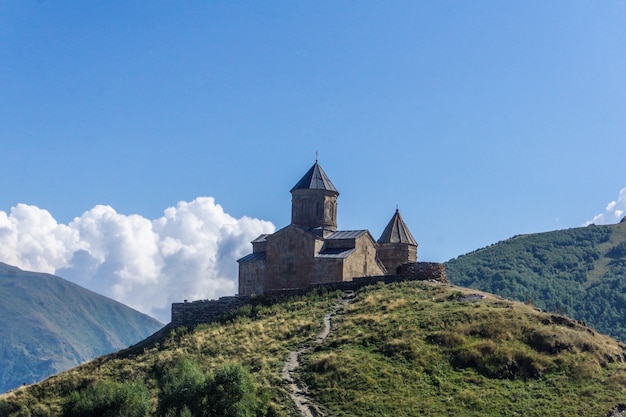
<point x="144" y="144"/>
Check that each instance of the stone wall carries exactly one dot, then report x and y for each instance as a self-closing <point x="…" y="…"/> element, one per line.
<point x="394" y="254"/>
<point x="205" y="311"/>
<point x="423" y="271"/>
<point x="365" y="262"/>
<point x="252" y="277"/>
<point x="209" y="311"/>
<point x="289" y="260"/>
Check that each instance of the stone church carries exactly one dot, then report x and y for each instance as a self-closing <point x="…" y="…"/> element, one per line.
<point x="312" y="251"/>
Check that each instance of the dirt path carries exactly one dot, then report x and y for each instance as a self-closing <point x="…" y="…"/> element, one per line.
<point x="298" y="391"/>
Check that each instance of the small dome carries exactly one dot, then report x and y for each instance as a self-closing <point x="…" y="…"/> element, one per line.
<point x="315" y="179"/>
<point x="397" y="232"/>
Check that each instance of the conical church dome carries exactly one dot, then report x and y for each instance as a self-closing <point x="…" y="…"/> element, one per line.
<point x="397" y="232"/>
<point x="315" y="179"/>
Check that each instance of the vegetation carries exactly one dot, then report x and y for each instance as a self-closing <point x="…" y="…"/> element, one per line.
<point x="249" y="347"/>
<point x="185" y="390"/>
<point x="419" y="350"/>
<point x="410" y="349"/>
<point x="108" y="399"/>
<point x="48" y="324"/>
<point x="578" y="272"/>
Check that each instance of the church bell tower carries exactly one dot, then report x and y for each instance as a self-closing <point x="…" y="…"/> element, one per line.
<point x="314" y="201"/>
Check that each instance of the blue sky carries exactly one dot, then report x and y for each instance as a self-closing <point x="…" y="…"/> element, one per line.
<point x="479" y="120"/>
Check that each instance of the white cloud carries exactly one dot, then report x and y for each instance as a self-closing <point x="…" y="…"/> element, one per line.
<point x="31" y="239"/>
<point x="188" y="253"/>
<point x="613" y="212"/>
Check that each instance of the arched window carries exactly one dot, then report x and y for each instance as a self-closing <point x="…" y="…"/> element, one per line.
<point x="328" y="211"/>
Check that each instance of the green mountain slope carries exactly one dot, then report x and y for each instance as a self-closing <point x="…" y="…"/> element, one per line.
<point x="409" y="349"/>
<point x="48" y="324"/>
<point x="579" y="272"/>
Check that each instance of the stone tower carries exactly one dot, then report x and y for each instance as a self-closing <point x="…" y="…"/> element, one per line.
<point x="314" y="201"/>
<point x="396" y="245"/>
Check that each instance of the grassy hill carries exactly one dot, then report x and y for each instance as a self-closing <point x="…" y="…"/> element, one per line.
<point x="579" y="272"/>
<point x="409" y="349"/>
<point x="48" y="325"/>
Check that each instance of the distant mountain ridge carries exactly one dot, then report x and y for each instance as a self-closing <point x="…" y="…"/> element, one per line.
<point x="48" y="324"/>
<point x="580" y="272"/>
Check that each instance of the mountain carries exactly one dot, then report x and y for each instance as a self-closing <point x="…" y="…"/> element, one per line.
<point x="579" y="272"/>
<point x="405" y="349"/>
<point x="48" y="324"/>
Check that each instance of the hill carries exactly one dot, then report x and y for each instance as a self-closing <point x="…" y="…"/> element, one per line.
<point x="408" y="349"/>
<point x="48" y="325"/>
<point x="579" y="272"/>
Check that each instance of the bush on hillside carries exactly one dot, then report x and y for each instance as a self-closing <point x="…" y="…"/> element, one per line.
<point x="181" y="390"/>
<point x="108" y="399"/>
<point x="229" y="392"/>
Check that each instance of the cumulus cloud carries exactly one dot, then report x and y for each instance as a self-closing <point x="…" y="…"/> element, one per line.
<point x="614" y="211"/>
<point x="188" y="253"/>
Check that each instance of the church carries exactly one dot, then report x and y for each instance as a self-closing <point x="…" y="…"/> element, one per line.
<point x="312" y="251"/>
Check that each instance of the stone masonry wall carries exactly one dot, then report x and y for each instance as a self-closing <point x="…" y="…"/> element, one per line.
<point x="394" y="254"/>
<point x="209" y="311"/>
<point x="423" y="271"/>
<point x="205" y="311"/>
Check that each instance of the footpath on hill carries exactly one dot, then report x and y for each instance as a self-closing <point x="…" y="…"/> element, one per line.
<point x="298" y="390"/>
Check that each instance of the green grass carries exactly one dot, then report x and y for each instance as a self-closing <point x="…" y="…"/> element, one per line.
<point x="408" y="349"/>
<point x="257" y="338"/>
<point x="603" y="265"/>
<point x="579" y="272"/>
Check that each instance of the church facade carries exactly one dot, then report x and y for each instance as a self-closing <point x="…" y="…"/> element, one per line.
<point x="312" y="251"/>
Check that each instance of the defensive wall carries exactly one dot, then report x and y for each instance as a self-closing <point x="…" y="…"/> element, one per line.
<point x="208" y="311"/>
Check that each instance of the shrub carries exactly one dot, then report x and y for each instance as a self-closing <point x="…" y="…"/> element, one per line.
<point x="108" y="399"/>
<point x="187" y="391"/>
<point x="7" y="408"/>
<point x="181" y="389"/>
<point x="400" y="348"/>
<point x="231" y="393"/>
<point x="618" y="251"/>
<point x="498" y="361"/>
<point x="445" y="339"/>
<point x="325" y="362"/>
<point x="546" y="342"/>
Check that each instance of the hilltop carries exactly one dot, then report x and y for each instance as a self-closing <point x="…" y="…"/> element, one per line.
<point x="404" y="349"/>
<point x="579" y="272"/>
<point x="48" y="325"/>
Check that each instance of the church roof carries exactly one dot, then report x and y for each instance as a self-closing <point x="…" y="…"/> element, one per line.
<point x="315" y="179"/>
<point x="261" y="238"/>
<point x="345" y="234"/>
<point x="397" y="232"/>
<point x="256" y="256"/>
<point x="337" y="253"/>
